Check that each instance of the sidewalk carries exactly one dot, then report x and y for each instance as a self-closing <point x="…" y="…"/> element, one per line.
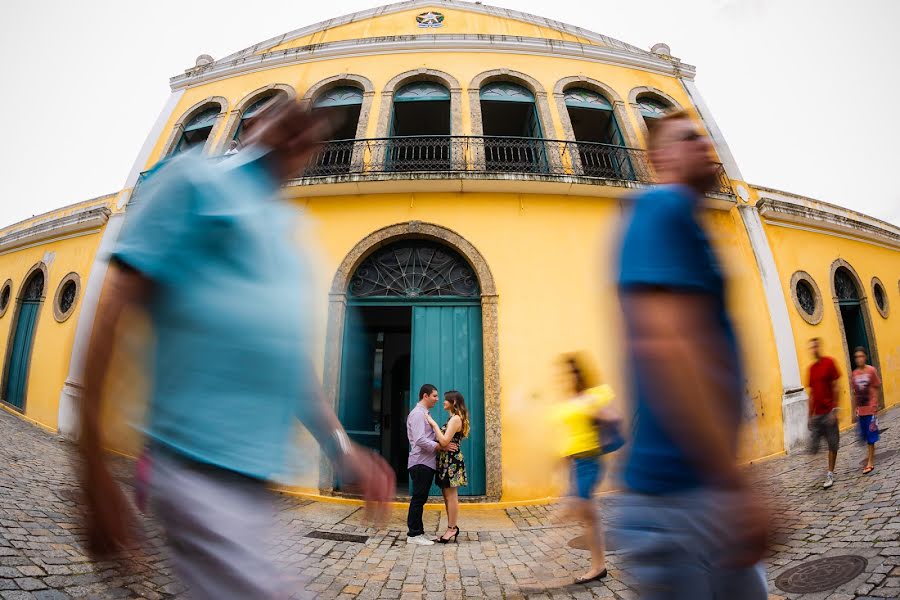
<point x="520" y="552"/>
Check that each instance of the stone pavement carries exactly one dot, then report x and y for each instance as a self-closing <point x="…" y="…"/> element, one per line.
<point x="514" y="553"/>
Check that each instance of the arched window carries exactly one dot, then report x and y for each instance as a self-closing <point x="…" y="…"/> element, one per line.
<point x="197" y="130"/>
<point x="512" y="129"/>
<point x="597" y="133"/>
<point x="250" y="112"/>
<point x="652" y="108"/>
<point x="420" y="128"/>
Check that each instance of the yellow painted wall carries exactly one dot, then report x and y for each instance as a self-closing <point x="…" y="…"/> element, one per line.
<point x="53" y="340"/>
<point x="463" y="66"/>
<point x="814" y="253"/>
<point x="552" y="259"/>
<point x="455" y="22"/>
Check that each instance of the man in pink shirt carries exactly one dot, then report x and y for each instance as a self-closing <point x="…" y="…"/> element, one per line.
<point x="865" y="383"/>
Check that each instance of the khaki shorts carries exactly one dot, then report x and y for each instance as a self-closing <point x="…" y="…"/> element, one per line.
<point x="824" y="426"/>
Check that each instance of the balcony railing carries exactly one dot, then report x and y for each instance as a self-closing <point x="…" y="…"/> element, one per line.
<point x="486" y="154"/>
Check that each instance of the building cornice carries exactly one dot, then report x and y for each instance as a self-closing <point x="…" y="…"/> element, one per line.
<point x="828" y="219"/>
<point x="397" y="7"/>
<point x="243" y="64"/>
<point x="80" y="221"/>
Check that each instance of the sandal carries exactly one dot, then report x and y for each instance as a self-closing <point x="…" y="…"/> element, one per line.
<point x="596" y="577"/>
<point x="868" y="469"/>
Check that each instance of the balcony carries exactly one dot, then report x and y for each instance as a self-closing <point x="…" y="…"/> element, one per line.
<point x="483" y="155"/>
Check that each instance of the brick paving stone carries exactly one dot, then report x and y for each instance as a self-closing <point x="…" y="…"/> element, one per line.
<point x="41" y="554"/>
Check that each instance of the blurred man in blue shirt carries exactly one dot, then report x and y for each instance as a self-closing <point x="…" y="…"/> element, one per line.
<point x="689" y="525"/>
<point x="207" y="250"/>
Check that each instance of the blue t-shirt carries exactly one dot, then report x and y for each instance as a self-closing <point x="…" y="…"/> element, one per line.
<point x="665" y="248"/>
<point x="230" y="310"/>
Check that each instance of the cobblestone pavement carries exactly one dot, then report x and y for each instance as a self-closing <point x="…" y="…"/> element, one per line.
<point x="515" y="553"/>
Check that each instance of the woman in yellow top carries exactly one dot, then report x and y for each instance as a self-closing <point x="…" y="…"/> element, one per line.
<point x="581" y="418"/>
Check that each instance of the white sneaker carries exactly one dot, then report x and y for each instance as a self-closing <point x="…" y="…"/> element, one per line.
<point x="419" y="540"/>
<point x="829" y="481"/>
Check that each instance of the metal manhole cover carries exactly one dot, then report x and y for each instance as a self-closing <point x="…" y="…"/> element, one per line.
<point x="580" y="543"/>
<point x="337" y="537"/>
<point x="879" y="456"/>
<point x="821" y="574"/>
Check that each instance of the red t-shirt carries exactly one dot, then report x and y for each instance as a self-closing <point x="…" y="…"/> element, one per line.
<point x="822" y="374"/>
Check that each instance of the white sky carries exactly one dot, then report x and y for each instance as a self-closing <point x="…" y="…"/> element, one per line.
<point x="798" y="87"/>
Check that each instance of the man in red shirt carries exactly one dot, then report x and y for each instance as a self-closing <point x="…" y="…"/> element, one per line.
<point x="823" y="375"/>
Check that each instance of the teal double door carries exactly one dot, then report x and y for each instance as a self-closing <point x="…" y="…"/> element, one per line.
<point x="390" y="350"/>
<point x="17" y="369"/>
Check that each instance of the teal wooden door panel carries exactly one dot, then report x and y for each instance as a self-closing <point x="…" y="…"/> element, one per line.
<point x="21" y="353"/>
<point x="447" y="352"/>
<point x="357" y="382"/>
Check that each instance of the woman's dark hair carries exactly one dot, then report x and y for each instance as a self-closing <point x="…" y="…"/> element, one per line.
<point x="426" y="390"/>
<point x="580" y="370"/>
<point x="860" y="349"/>
<point x="458" y="408"/>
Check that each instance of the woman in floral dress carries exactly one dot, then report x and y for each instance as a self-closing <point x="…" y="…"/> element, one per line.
<point x="451" y="468"/>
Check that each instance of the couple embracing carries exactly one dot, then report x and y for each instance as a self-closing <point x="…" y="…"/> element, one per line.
<point x="435" y="456"/>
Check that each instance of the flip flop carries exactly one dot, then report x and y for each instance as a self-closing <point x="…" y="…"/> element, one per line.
<point x="868" y="470"/>
<point x="596" y="577"/>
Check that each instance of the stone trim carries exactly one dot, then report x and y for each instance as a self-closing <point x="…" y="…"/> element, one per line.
<point x="867" y="323"/>
<point x="619" y="110"/>
<point x="42" y="267"/>
<point x="178" y="128"/>
<point x="842" y="222"/>
<point x="234" y="116"/>
<point x="816" y="317"/>
<point x="365" y="110"/>
<point x="58" y="313"/>
<point x="55" y="227"/>
<point x="442" y="43"/>
<point x="887" y="302"/>
<point x="337" y="306"/>
<point x="650" y="91"/>
<point x="7" y="284"/>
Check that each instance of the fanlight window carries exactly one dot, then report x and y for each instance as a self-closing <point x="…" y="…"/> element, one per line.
<point x="250" y="112"/>
<point x="845" y="286"/>
<point x="34" y="290"/>
<point x="502" y="91"/>
<point x="582" y="98"/>
<point x="422" y="90"/>
<point x="414" y="269"/>
<point x="652" y="108"/>
<point x="339" y="96"/>
<point x="197" y="129"/>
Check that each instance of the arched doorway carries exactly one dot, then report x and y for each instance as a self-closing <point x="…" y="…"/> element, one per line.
<point x="513" y="137"/>
<point x="19" y="360"/>
<point x="854" y="317"/>
<point x="339" y="105"/>
<point x="599" y="140"/>
<point x="413" y="317"/>
<point x="420" y="128"/>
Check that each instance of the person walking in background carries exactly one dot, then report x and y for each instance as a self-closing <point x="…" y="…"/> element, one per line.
<point x="865" y="383"/>
<point x="451" y="465"/>
<point x="422" y="462"/>
<point x="688" y="522"/>
<point x="581" y="416"/>
<point x="228" y="380"/>
<point x="823" y="423"/>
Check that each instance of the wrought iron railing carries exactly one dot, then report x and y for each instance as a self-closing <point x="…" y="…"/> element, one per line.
<point x="486" y="154"/>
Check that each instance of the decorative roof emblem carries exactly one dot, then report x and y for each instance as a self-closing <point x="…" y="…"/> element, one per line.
<point x="430" y="19"/>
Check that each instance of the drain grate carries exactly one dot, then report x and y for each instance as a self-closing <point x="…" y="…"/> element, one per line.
<point x="879" y="456"/>
<point x="821" y="574"/>
<point x="337" y="537"/>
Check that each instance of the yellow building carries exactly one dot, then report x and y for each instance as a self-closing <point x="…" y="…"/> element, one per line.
<point x="467" y="208"/>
